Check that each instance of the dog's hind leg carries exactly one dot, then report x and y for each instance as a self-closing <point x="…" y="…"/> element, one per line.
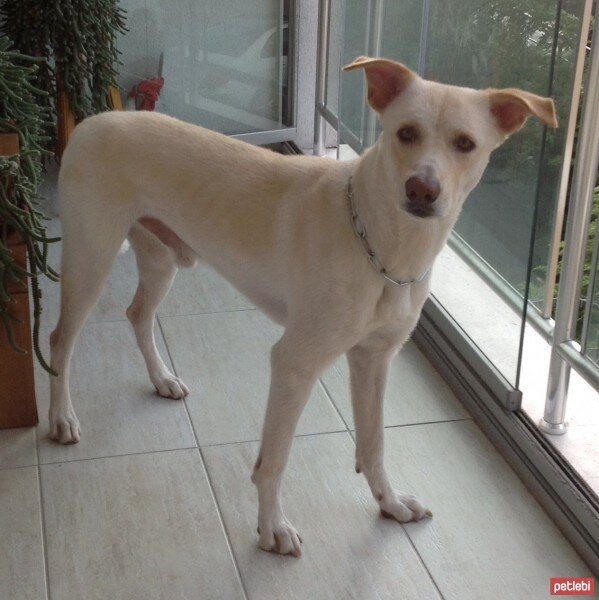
<point x="157" y="267"/>
<point x="89" y="247"/>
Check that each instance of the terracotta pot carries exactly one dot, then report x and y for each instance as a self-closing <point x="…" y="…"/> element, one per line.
<point x="65" y="122"/>
<point x="17" y="390"/>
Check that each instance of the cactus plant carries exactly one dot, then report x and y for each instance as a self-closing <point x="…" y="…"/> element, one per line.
<point x="77" y="37"/>
<point x="22" y="114"/>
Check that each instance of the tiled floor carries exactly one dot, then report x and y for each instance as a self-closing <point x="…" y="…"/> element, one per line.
<point x="155" y="502"/>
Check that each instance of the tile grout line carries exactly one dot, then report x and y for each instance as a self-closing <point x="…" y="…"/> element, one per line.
<point x="43" y="517"/>
<point x="124" y="319"/>
<point x="208" y="478"/>
<point x="35" y="464"/>
<point x="141" y="453"/>
<point x="330" y="397"/>
<point x="90" y="322"/>
<point x="214" y="312"/>
<point x="424" y="565"/>
<point x="219" y="444"/>
<point x="350" y="431"/>
<point x="429" y="423"/>
<point x="299" y="435"/>
<point x="222" y="523"/>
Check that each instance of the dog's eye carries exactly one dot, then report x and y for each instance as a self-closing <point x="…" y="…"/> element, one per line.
<point x="408" y="134"/>
<point x="464" y="144"/>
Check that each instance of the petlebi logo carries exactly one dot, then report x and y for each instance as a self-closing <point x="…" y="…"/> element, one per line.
<point x="572" y="586"/>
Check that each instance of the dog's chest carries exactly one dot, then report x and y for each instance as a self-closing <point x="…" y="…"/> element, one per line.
<point x="398" y="305"/>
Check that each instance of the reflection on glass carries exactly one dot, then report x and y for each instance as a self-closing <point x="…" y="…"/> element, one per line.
<point x="225" y="64"/>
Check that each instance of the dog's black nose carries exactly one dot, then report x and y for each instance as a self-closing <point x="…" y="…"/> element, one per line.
<point x="422" y="191"/>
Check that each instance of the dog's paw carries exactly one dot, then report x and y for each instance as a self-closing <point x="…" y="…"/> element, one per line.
<point x="280" y="537"/>
<point x="64" y="427"/>
<point x="169" y="386"/>
<point x="403" y="508"/>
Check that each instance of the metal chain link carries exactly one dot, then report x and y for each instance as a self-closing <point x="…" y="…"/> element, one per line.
<point x="360" y="230"/>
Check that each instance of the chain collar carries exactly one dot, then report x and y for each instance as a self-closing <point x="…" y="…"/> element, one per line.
<point x="360" y="231"/>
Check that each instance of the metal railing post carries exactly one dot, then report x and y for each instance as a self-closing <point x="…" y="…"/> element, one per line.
<point x="422" y="51"/>
<point x="581" y="202"/>
<point x="321" y="76"/>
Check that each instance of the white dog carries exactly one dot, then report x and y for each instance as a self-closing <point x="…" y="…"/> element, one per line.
<point x="339" y="253"/>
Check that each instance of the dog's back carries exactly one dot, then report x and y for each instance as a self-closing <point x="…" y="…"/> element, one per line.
<point x="155" y="153"/>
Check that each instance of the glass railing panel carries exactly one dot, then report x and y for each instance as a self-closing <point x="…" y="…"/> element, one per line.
<point x="480" y="44"/>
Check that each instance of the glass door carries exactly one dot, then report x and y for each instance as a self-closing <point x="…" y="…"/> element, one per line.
<point x="226" y="65"/>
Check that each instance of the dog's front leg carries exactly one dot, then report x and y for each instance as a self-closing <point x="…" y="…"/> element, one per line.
<point x="369" y="365"/>
<point x="295" y="365"/>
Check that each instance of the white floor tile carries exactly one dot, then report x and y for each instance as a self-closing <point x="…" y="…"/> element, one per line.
<point x="21" y="552"/>
<point x="416" y="393"/>
<point x="119" y="410"/>
<point x="225" y="360"/>
<point x="201" y="290"/>
<point x="349" y="551"/>
<point x="135" y="527"/>
<point x="17" y="447"/>
<point x="489" y="538"/>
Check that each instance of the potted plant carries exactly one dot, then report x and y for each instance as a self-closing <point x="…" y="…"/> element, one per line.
<point x="79" y="40"/>
<point x="23" y="240"/>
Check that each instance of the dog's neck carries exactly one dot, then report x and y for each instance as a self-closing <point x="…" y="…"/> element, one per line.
<point x="406" y="245"/>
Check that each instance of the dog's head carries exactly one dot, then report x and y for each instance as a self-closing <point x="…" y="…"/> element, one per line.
<point x="437" y="138"/>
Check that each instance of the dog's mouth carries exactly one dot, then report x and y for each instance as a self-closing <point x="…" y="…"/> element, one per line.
<point x="420" y="211"/>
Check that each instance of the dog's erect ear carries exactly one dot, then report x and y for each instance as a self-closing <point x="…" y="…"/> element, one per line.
<point x="386" y="79"/>
<point x="512" y="107"/>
